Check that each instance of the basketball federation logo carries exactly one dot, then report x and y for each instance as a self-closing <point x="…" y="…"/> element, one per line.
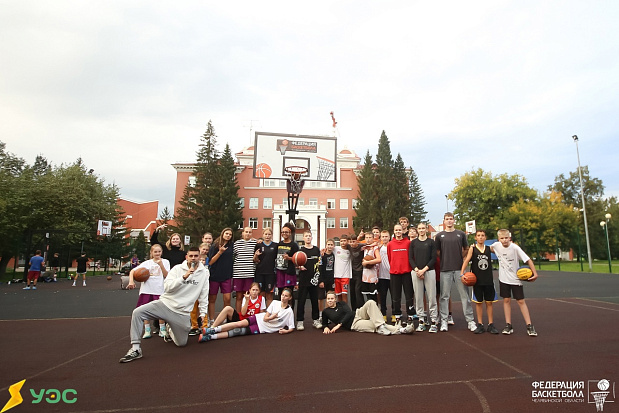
<point x="600" y="392"/>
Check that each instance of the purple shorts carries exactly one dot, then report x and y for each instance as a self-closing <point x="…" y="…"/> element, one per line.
<point x="242" y="284"/>
<point x="253" y="325"/>
<point x="285" y="280"/>
<point x="146" y="298"/>
<point x="224" y="286"/>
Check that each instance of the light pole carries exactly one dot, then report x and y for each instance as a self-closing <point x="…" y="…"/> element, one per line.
<point x="447" y="203"/>
<point x="604" y="225"/>
<point x="584" y="210"/>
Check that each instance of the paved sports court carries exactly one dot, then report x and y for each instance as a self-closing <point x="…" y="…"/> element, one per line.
<point x="63" y="337"/>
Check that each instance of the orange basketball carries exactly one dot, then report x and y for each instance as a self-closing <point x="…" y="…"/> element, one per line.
<point x="263" y="170"/>
<point x="141" y="274"/>
<point x="469" y="279"/>
<point x="299" y="258"/>
<point x="369" y="258"/>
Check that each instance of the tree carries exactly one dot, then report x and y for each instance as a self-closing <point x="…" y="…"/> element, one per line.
<point x="417" y="211"/>
<point x="570" y="187"/>
<point x="213" y="202"/>
<point x="139" y="246"/>
<point x="480" y="196"/>
<point x="367" y="206"/>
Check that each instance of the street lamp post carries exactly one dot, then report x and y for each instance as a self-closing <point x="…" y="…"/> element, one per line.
<point x="604" y="225"/>
<point x="584" y="210"/>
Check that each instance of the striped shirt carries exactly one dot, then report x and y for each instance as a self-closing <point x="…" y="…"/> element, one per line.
<point x="244" y="265"/>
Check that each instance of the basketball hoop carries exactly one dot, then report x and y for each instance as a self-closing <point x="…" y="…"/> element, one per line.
<point x="295" y="182"/>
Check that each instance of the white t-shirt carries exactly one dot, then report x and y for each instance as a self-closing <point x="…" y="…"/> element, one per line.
<point x="285" y="318"/>
<point x="383" y="270"/>
<point x="508" y="262"/>
<point x="343" y="266"/>
<point x="154" y="284"/>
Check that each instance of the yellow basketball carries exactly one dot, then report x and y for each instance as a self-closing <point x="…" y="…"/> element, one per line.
<point x="524" y="273"/>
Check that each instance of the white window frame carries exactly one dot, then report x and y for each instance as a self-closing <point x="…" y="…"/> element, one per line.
<point x="267" y="203"/>
<point x="253" y="203"/>
<point x="330" y="223"/>
<point x="344" y="222"/>
<point x="253" y="223"/>
<point x="344" y="203"/>
<point x="267" y="223"/>
<point x="331" y="203"/>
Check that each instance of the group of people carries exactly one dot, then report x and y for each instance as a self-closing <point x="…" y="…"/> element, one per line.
<point x="361" y="270"/>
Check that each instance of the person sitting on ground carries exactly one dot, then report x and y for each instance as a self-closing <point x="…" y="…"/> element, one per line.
<point x="279" y="318"/>
<point x="367" y="319"/>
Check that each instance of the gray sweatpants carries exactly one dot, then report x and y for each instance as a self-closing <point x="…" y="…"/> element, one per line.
<point x="448" y="278"/>
<point x="180" y="324"/>
<point x="368" y="318"/>
<point x="429" y="282"/>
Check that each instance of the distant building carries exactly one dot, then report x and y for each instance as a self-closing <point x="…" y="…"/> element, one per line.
<point x="140" y="216"/>
<point x="325" y="208"/>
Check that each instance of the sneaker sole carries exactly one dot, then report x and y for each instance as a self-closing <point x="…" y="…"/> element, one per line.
<point x="123" y="360"/>
<point x="508" y="332"/>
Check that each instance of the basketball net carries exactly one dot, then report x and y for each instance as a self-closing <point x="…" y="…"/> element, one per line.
<point x="295" y="183"/>
<point x="600" y="398"/>
<point x="326" y="168"/>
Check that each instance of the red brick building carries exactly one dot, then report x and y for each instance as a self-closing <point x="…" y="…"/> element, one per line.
<point x="140" y="216"/>
<point x="325" y="208"/>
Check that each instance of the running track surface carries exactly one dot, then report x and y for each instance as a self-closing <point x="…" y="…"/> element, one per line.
<point x="65" y="337"/>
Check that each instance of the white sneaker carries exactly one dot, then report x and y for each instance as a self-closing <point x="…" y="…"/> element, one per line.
<point x="450" y="320"/>
<point x="408" y="329"/>
<point x="317" y="324"/>
<point x="472" y="325"/>
<point x="300" y="326"/>
<point x="383" y="330"/>
<point x="147" y="334"/>
<point x="73" y="285"/>
<point x="84" y="284"/>
<point x="444" y="326"/>
<point x="421" y="327"/>
<point x="433" y="329"/>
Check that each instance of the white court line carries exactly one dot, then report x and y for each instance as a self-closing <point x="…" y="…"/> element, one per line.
<point x="69" y="318"/>
<point x="584" y="305"/>
<point x="69" y="361"/>
<point x="498" y="360"/>
<point x="308" y="394"/>
<point x="482" y="400"/>
<point x="598" y="301"/>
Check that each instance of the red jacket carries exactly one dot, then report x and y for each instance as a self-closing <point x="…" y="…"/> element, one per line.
<point x="397" y="252"/>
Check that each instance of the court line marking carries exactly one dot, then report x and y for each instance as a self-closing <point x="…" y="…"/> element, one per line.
<point x="598" y="301"/>
<point x="69" y="361"/>
<point x="584" y="305"/>
<point x="495" y="358"/>
<point x="482" y="399"/>
<point x="306" y="394"/>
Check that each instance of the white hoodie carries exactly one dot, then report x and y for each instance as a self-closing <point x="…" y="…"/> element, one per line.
<point x="180" y="295"/>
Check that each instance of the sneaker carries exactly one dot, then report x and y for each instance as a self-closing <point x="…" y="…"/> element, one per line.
<point x="154" y="330"/>
<point x="415" y="317"/>
<point x="393" y="319"/>
<point x="170" y="336"/>
<point x="84" y="284"/>
<point x="162" y="332"/>
<point x="450" y="320"/>
<point x="480" y="329"/>
<point x="383" y="330"/>
<point x="300" y="326"/>
<point x="531" y="330"/>
<point x="492" y="329"/>
<point x="34" y="288"/>
<point x="73" y="285"/>
<point x="385" y="318"/>
<point x="204" y="337"/>
<point x="398" y="322"/>
<point x="26" y="288"/>
<point x="211" y="322"/>
<point x="317" y="324"/>
<point x="472" y="325"/>
<point x="208" y="331"/>
<point x="147" y="333"/>
<point x="433" y="329"/>
<point x="409" y="329"/>
<point x="508" y="329"/>
<point x="421" y="327"/>
<point x="444" y="326"/>
<point x="194" y="332"/>
<point x="131" y="355"/>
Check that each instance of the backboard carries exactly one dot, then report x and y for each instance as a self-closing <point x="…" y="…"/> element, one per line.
<point x="273" y="152"/>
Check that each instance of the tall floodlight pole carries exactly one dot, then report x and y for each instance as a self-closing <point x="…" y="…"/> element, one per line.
<point x="584" y="209"/>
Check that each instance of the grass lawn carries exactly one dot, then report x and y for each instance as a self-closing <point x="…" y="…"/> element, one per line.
<point x="572" y="266"/>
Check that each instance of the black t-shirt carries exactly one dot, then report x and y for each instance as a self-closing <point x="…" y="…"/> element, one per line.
<point x="312" y="273"/>
<point x="450" y="244"/>
<point x="266" y="265"/>
<point x="481" y="265"/>
<point x="422" y="253"/>
<point x="341" y="314"/>
<point x="81" y="264"/>
<point x="356" y="254"/>
<point x="286" y="248"/>
<point x="221" y="270"/>
<point x="327" y="265"/>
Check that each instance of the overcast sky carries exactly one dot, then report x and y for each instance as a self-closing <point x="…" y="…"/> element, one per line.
<point x="129" y="86"/>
